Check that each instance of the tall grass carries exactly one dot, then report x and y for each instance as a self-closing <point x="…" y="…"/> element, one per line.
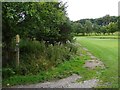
<point x="38" y="56"/>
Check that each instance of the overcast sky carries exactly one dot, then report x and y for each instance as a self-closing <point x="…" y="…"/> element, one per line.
<point x="81" y="9"/>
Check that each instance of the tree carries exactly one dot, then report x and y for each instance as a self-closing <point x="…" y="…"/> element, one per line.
<point x="103" y="29"/>
<point x="106" y="20"/>
<point x="65" y="32"/>
<point x="96" y="29"/>
<point x="40" y="20"/>
<point x="112" y="27"/>
<point x="78" y="28"/>
<point x="88" y="26"/>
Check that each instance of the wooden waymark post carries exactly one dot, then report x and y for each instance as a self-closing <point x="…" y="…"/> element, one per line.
<point x="17" y="49"/>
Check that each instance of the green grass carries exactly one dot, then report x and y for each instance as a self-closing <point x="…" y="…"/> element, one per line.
<point x="107" y="51"/>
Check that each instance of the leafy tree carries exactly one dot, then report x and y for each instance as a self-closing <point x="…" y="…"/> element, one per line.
<point x="88" y="27"/>
<point x="106" y="20"/>
<point x="103" y="29"/>
<point x="96" y="29"/>
<point x="40" y="20"/>
<point x="78" y="28"/>
<point x="65" y="32"/>
<point x="113" y="27"/>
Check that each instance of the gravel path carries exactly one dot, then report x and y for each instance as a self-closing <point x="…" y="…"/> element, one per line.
<point x="69" y="82"/>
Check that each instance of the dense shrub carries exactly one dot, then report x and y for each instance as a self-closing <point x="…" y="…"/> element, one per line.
<point x="36" y="56"/>
<point x="7" y="72"/>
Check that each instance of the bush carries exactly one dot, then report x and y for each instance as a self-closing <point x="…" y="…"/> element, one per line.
<point x="36" y="56"/>
<point x="32" y="47"/>
<point x="7" y="72"/>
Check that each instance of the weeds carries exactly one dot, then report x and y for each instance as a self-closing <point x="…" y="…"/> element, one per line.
<point x="36" y="56"/>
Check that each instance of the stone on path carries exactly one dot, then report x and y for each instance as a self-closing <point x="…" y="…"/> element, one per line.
<point x="85" y="49"/>
<point x="82" y="55"/>
<point x="88" y="53"/>
<point x="91" y="64"/>
<point x="93" y="57"/>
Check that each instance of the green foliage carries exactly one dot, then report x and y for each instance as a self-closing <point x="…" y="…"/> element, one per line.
<point x="105" y="20"/>
<point x="104" y="29"/>
<point x="78" y="28"/>
<point x="96" y="28"/>
<point x="37" y="56"/>
<point x="31" y="47"/>
<point x="107" y="24"/>
<point x="7" y="72"/>
<point x="113" y="27"/>
<point x="43" y="21"/>
<point x="88" y="26"/>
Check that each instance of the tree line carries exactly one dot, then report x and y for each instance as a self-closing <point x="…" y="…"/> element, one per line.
<point x="104" y="25"/>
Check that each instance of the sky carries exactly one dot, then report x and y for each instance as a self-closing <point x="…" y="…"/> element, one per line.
<point x="82" y="9"/>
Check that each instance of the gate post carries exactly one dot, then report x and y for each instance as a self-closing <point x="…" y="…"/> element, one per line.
<point x="17" y="50"/>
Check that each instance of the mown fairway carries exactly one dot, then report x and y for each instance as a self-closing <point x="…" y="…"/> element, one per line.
<point x="107" y="51"/>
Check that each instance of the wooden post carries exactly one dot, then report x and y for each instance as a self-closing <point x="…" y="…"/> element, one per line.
<point x="17" y="50"/>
